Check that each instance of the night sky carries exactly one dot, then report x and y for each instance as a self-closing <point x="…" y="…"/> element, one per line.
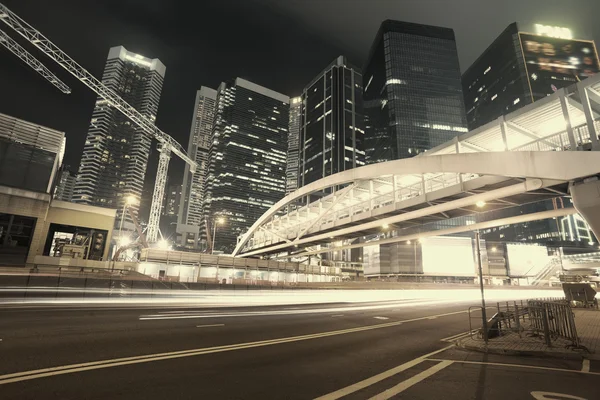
<point x="280" y="44"/>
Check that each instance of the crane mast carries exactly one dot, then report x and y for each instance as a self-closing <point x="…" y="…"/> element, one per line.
<point x="167" y="144"/>
<point x="32" y="62"/>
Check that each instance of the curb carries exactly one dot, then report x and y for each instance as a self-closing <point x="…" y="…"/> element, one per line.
<point x="527" y="353"/>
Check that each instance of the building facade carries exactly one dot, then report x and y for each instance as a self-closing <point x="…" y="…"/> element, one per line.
<point x="412" y="91"/>
<point x="247" y="158"/>
<point x="293" y="152"/>
<point x="32" y="224"/>
<point x="115" y="155"/>
<point x="519" y="68"/>
<point x="65" y="185"/>
<point x="332" y="123"/>
<point x="190" y="222"/>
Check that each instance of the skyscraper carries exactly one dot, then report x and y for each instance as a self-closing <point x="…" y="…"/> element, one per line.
<point x="332" y="129"/>
<point x="115" y="155"/>
<point x="65" y="185"/>
<point x="519" y="68"/>
<point x="247" y="158"/>
<point x="293" y="155"/>
<point x="412" y="91"/>
<point x="190" y="222"/>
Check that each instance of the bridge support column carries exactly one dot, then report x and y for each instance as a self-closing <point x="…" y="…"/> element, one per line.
<point x="586" y="199"/>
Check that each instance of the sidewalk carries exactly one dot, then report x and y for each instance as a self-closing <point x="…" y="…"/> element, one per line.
<point x="588" y="330"/>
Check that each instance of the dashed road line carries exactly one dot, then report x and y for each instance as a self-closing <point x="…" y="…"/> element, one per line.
<point x="381" y="317"/>
<point x="402" y="386"/>
<point x="379" y="377"/>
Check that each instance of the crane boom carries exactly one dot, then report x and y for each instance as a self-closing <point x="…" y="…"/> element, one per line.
<point x="167" y="144"/>
<point x="64" y="60"/>
<point x="33" y="62"/>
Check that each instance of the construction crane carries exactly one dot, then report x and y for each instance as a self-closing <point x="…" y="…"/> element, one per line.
<point x="33" y="62"/>
<point x="166" y="144"/>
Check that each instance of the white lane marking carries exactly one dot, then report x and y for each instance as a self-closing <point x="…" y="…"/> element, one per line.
<point x="455" y="337"/>
<point x="292" y="308"/>
<point x="209" y="326"/>
<point x="554" y="396"/>
<point x="585" y="366"/>
<point x="379" y="377"/>
<point x="519" y="366"/>
<point x="72" y="368"/>
<point x="432" y="317"/>
<point x="381" y="317"/>
<point x="150" y="317"/>
<point x="402" y="386"/>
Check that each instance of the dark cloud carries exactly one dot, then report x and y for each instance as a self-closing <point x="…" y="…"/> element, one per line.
<point x="280" y="44"/>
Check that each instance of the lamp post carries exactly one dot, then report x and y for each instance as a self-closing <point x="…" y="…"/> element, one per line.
<point x="216" y="222"/>
<point x="481" y="204"/>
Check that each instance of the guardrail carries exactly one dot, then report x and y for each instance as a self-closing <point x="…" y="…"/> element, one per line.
<point x="549" y="318"/>
<point x="554" y="319"/>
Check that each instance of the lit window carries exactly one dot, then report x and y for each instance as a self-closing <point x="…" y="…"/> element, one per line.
<point x="396" y="82"/>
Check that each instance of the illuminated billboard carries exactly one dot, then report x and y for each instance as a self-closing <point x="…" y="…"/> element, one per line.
<point x="554" y="63"/>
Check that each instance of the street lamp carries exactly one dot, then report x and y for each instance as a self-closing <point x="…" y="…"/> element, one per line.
<point x="216" y="222"/>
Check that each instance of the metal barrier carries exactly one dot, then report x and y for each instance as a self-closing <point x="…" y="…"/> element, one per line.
<point x="554" y="319"/>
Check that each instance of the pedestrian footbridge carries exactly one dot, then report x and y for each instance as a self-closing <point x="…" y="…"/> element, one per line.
<point x="544" y="150"/>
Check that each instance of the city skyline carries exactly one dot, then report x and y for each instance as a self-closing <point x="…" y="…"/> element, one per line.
<point x="325" y="41"/>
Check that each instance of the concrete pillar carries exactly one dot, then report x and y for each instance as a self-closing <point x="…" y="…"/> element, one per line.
<point x="586" y="199"/>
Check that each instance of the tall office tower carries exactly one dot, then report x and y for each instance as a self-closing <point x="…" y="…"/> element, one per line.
<point x="65" y="185"/>
<point x="519" y="68"/>
<point x="292" y="168"/>
<point x="247" y="158"/>
<point x="332" y="122"/>
<point x="190" y="221"/>
<point x="412" y="91"/>
<point x="115" y="155"/>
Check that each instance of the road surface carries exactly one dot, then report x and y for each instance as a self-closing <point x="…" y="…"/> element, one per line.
<point x="361" y="350"/>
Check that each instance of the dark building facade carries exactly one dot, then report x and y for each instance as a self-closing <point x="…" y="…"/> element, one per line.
<point x="116" y="151"/>
<point x="332" y="123"/>
<point x="412" y="91"/>
<point x="247" y="158"/>
<point x="519" y="68"/>
<point x="293" y="153"/>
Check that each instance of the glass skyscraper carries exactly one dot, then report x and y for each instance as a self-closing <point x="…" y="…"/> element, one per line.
<point x="190" y="222"/>
<point x="293" y="155"/>
<point x="247" y="158"/>
<point x="115" y="154"/>
<point x="332" y="123"/>
<point x="519" y="68"/>
<point x="412" y="91"/>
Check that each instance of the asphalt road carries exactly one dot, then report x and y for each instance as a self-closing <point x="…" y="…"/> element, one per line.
<point x="387" y="349"/>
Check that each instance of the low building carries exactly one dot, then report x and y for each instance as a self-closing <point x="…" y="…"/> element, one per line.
<point x="35" y="229"/>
